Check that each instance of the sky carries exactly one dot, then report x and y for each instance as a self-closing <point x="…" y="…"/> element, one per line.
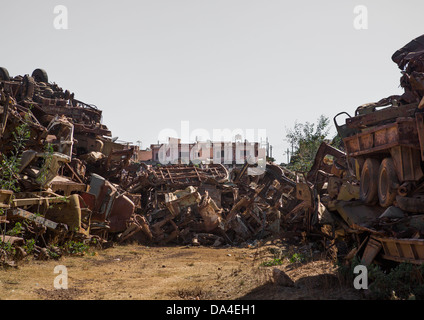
<point x="242" y="65"/>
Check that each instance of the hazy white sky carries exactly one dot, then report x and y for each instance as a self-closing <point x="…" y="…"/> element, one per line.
<point x="219" y="64"/>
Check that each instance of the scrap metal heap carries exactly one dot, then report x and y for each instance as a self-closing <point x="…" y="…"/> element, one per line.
<point x="365" y="201"/>
<point x="64" y="179"/>
<point x="193" y="205"/>
<point x="384" y="145"/>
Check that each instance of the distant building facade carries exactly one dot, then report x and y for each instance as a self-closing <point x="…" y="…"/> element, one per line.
<point x="227" y="153"/>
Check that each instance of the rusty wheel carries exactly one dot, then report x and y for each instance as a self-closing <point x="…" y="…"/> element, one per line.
<point x="40" y="75"/>
<point x="410" y="204"/>
<point x="27" y="88"/>
<point x="4" y="74"/>
<point x="387" y="179"/>
<point x="368" y="189"/>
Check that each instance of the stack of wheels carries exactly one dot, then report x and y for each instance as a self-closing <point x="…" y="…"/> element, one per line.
<point x="379" y="182"/>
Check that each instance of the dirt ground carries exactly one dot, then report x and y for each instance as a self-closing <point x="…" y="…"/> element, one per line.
<point x="136" y="272"/>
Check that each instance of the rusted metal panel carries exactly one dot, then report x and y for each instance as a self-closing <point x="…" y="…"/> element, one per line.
<point x="403" y="132"/>
<point x="120" y="214"/>
<point x="72" y="213"/>
<point x="213" y="192"/>
<point x="320" y="163"/>
<point x="15" y="241"/>
<point x="210" y="213"/>
<point x="403" y="250"/>
<point x="407" y="163"/>
<point x="355" y="212"/>
<point x="382" y="116"/>
<point x="372" y="248"/>
<point x="18" y="212"/>
<point x="5" y="198"/>
<point x="304" y="193"/>
<point x="108" y="204"/>
<point x="30" y="201"/>
<point x="181" y="199"/>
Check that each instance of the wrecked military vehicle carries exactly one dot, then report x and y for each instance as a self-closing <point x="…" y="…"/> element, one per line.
<point x="384" y="152"/>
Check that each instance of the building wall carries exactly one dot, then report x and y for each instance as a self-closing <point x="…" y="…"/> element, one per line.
<point x="218" y="152"/>
<point x="144" y="155"/>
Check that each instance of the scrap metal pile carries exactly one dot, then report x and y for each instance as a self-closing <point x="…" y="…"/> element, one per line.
<point x="43" y="132"/>
<point x="384" y="145"/>
<point x="64" y="179"/>
<point x="193" y="205"/>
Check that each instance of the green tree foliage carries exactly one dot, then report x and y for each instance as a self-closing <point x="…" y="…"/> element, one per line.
<point x="306" y="139"/>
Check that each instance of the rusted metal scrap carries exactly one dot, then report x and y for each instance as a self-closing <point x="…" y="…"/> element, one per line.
<point x="175" y="177"/>
<point x="94" y="190"/>
<point x="109" y="184"/>
<point x="378" y="202"/>
<point x="111" y="208"/>
<point x="228" y="211"/>
<point x="54" y="181"/>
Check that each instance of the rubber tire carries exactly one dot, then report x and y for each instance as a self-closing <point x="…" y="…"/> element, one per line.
<point x="409" y="204"/>
<point x="27" y="88"/>
<point x="368" y="189"/>
<point x="386" y="178"/>
<point x="4" y="74"/>
<point x="40" y="75"/>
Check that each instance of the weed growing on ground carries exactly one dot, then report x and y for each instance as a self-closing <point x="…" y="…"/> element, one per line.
<point x="75" y="248"/>
<point x="297" y="257"/>
<point x="273" y="262"/>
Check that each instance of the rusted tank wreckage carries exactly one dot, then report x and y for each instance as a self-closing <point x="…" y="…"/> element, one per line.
<point x="384" y="150"/>
<point x="74" y="182"/>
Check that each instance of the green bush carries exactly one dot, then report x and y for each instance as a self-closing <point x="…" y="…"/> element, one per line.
<point x="402" y="282"/>
<point x="7" y="247"/>
<point x="75" y="248"/>
<point x="405" y="281"/>
<point x="29" y="245"/>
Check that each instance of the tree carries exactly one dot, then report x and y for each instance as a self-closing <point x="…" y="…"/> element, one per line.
<point x="305" y="140"/>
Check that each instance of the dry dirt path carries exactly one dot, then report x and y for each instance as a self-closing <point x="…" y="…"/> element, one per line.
<point x="135" y="272"/>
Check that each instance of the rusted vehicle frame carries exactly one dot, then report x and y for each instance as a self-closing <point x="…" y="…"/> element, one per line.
<point x="172" y="177"/>
<point x="401" y="250"/>
<point x="379" y="139"/>
<point x="110" y="208"/>
<point x="379" y="117"/>
<point x="399" y="141"/>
